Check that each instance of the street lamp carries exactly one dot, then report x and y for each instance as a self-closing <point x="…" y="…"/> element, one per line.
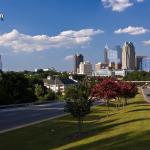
<point x="55" y="84"/>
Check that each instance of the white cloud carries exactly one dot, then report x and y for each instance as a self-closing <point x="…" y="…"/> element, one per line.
<point x="69" y="57"/>
<point x="22" y="42"/>
<point x="117" y="5"/>
<point x="140" y="1"/>
<point x="146" y="42"/>
<point x="132" y="30"/>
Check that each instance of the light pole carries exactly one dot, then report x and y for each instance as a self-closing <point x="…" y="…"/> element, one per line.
<point x="55" y="84"/>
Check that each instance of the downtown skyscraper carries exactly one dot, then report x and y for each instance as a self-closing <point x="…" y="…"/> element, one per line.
<point x="78" y="58"/>
<point x="128" y="56"/>
<point x="113" y="55"/>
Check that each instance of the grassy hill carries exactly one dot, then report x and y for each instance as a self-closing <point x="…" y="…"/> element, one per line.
<point x="126" y="129"/>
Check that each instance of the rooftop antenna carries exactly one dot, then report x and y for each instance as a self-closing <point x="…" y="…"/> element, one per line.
<point x="106" y="46"/>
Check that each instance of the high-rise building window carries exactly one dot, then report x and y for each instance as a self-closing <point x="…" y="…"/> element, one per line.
<point x="128" y="56"/>
<point x="146" y="64"/>
<point x="78" y="58"/>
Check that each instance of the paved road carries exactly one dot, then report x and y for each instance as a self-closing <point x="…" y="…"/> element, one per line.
<point x="146" y="92"/>
<point x="14" y="117"/>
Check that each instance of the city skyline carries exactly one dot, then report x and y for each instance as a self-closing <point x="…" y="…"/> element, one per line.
<point x="47" y="34"/>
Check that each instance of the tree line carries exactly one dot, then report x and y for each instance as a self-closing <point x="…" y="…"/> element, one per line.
<point x="21" y="88"/>
<point x="137" y="76"/>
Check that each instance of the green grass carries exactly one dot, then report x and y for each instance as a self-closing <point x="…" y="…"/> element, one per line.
<point x="127" y="129"/>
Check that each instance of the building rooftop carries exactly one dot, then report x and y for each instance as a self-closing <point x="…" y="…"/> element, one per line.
<point x="60" y="81"/>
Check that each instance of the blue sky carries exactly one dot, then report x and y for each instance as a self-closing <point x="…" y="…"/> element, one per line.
<point x="46" y="33"/>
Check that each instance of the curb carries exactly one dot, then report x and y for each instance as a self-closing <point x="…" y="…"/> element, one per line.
<point x="33" y="123"/>
<point x="146" y="99"/>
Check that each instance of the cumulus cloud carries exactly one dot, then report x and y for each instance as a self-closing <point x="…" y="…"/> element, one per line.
<point x="140" y="1"/>
<point x="69" y="57"/>
<point x="27" y="43"/>
<point x="146" y="42"/>
<point x="132" y="30"/>
<point x="118" y="5"/>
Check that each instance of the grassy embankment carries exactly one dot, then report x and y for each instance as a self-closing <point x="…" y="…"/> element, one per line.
<point x="126" y="129"/>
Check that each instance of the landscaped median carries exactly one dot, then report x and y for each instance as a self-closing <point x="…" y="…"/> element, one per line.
<point x="124" y="129"/>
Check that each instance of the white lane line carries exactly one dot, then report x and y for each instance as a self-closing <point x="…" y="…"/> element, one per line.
<point x="33" y="123"/>
<point x="33" y="108"/>
<point x="29" y="107"/>
<point x="48" y="109"/>
<point x="14" y="109"/>
<point x="51" y="104"/>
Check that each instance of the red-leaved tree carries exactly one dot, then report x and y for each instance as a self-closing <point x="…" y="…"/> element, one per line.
<point x="127" y="90"/>
<point x="106" y="89"/>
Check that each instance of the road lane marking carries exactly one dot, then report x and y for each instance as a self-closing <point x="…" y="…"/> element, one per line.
<point x="33" y="123"/>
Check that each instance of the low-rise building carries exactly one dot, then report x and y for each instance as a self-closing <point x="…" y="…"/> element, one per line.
<point x="104" y="73"/>
<point x="100" y="65"/>
<point x="56" y="84"/>
<point x="85" y="68"/>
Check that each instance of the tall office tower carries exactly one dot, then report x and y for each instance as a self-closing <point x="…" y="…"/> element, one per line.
<point x="119" y="53"/>
<point x="0" y="63"/>
<point x="85" y="68"/>
<point x="110" y="55"/>
<point x="106" y="49"/>
<point x="146" y="64"/>
<point x="138" y="62"/>
<point x="78" y="58"/>
<point x="128" y="56"/>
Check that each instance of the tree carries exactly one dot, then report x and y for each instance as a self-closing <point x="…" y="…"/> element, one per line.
<point x="127" y="90"/>
<point x="137" y="76"/>
<point x="106" y="89"/>
<point x="39" y="91"/>
<point x="15" y="88"/>
<point x="50" y="95"/>
<point x="78" y="102"/>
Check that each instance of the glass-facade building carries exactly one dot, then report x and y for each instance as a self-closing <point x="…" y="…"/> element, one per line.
<point x="119" y="53"/>
<point x="112" y="55"/>
<point x="78" y="58"/>
<point x="139" y="61"/>
<point x="146" y="64"/>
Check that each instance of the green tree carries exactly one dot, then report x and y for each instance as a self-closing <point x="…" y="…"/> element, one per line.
<point x="137" y="76"/>
<point x="39" y="91"/>
<point x="78" y="102"/>
<point x="15" y="88"/>
<point x="50" y="95"/>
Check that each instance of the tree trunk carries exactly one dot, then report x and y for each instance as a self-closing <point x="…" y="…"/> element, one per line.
<point x="79" y="126"/>
<point x="107" y="103"/>
<point x="126" y="101"/>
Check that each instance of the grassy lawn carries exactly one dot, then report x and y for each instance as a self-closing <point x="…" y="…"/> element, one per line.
<point x="127" y="129"/>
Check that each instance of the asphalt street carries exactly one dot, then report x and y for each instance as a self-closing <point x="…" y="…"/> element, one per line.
<point x="14" y="117"/>
<point x="146" y="92"/>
